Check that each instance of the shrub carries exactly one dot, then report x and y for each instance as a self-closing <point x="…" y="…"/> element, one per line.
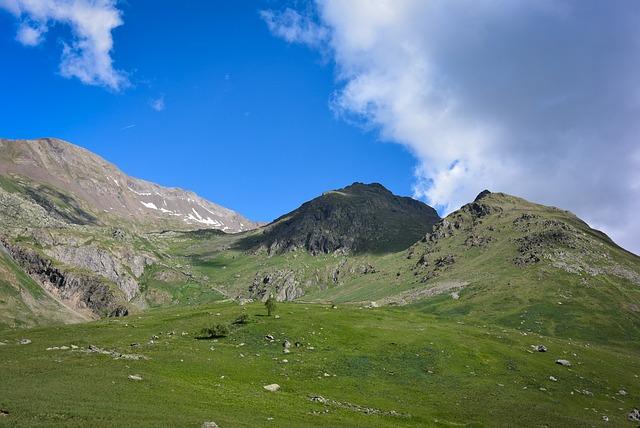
<point x="218" y="330"/>
<point x="242" y="319"/>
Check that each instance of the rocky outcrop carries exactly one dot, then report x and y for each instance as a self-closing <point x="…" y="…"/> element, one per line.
<point x="79" y="290"/>
<point x="282" y="284"/>
<point x="123" y="271"/>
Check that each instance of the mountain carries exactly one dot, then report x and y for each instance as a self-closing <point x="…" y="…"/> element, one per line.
<point x="101" y="193"/>
<point x="498" y="258"/>
<point x="357" y="218"/>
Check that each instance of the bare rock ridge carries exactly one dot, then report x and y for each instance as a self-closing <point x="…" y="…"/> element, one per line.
<point x="107" y="192"/>
<point x="357" y="218"/>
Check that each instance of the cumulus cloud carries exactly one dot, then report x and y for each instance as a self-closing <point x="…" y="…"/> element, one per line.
<point x="532" y="97"/>
<point x="87" y="55"/>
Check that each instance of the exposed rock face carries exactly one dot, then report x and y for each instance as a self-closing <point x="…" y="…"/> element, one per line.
<point x="281" y="283"/>
<point x="78" y="290"/>
<point x="109" y="192"/>
<point x="105" y="264"/>
<point x="357" y="218"/>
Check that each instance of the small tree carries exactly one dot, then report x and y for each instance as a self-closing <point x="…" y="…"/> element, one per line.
<point x="270" y="305"/>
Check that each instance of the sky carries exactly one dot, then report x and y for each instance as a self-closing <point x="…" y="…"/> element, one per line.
<point x="261" y="105"/>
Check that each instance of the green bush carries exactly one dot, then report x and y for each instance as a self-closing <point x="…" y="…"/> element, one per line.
<point x="218" y="330"/>
<point x="242" y="319"/>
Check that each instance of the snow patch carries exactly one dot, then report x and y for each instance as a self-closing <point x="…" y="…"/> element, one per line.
<point x="149" y="205"/>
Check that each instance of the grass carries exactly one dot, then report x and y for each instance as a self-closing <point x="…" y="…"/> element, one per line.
<point x="432" y="370"/>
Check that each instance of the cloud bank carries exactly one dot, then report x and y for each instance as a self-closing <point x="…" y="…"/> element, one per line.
<point x="87" y="56"/>
<point x="532" y="97"/>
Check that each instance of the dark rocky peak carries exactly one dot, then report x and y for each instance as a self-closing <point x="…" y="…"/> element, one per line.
<point x="357" y="218"/>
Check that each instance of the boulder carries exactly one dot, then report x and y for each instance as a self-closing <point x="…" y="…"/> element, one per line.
<point x="634" y="415"/>
<point x="272" y="387"/>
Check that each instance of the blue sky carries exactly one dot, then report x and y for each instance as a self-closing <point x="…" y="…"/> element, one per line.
<point x="246" y="120"/>
<point x="262" y="105"/>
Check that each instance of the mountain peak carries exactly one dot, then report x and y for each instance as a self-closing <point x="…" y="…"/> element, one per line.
<point x="357" y="218"/>
<point x="107" y="192"/>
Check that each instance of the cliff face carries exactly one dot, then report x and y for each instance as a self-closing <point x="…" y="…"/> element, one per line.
<point x="80" y="291"/>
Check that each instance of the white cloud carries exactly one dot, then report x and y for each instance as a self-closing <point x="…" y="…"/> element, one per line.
<point x="295" y="27"/>
<point x="87" y="56"/>
<point x="158" y="103"/>
<point x="30" y="35"/>
<point x="523" y="97"/>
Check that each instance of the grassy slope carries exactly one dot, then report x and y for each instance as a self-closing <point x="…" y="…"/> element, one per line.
<point x="440" y="372"/>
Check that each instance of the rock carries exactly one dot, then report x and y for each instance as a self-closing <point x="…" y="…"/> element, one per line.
<point x="286" y="344"/>
<point x="562" y="362"/>
<point x="269" y="337"/>
<point x="455" y="295"/>
<point x="24" y="341"/>
<point x="605" y="418"/>
<point x="553" y="378"/>
<point x="539" y="348"/>
<point x="209" y="424"/>
<point x="622" y="392"/>
<point x="272" y="387"/>
<point x="286" y="350"/>
<point x="135" y="377"/>
<point x="4" y="412"/>
<point x="634" y="415"/>
<point x="277" y="317"/>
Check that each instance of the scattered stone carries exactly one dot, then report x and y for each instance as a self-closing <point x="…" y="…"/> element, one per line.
<point x="209" y="424"/>
<point x="539" y="348"/>
<point x="277" y="317"/>
<point x="562" y="362"/>
<point x="286" y="344"/>
<point x="605" y="418"/>
<point x="634" y="415"/>
<point x="356" y="407"/>
<point x="272" y="387"/>
<point x="135" y="377"/>
<point x="286" y="350"/>
<point x="455" y="295"/>
<point x="24" y="341"/>
<point x="135" y="345"/>
<point x="622" y="392"/>
<point x="553" y="378"/>
<point x="114" y="354"/>
<point x="269" y="337"/>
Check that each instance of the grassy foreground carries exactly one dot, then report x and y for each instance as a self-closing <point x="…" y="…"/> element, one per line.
<point x="373" y="367"/>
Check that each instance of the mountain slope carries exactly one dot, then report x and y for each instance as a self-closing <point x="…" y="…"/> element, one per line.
<point x="358" y="218"/>
<point x="105" y="191"/>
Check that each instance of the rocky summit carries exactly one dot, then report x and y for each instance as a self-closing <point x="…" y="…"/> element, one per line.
<point x="357" y="218"/>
